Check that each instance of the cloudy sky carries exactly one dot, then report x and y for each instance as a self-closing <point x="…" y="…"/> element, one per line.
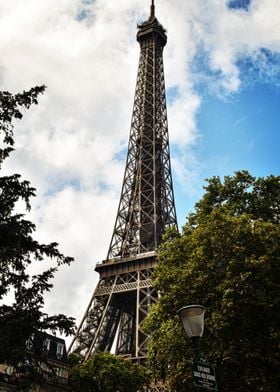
<point x="223" y="86"/>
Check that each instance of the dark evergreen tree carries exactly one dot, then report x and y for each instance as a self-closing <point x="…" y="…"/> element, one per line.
<point x="18" y="249"/>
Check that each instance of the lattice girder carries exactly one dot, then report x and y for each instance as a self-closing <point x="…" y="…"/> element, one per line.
<point x="147" y="202"/>
<point x="120" y="304"/>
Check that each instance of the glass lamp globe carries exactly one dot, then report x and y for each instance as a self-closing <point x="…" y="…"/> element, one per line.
<point x="193" y="319"/>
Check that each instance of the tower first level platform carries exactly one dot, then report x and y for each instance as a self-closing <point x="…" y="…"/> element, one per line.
<point x="114" y="318"/>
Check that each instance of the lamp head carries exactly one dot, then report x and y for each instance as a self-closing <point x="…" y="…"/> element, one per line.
<point x="193" y="319"/>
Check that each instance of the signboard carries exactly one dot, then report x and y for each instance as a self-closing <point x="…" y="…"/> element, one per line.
<point x="204" y="374"/>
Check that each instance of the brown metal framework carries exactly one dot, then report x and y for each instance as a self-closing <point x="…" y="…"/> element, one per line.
<point x="124" y="294"/>
<point x="147" y="203"/>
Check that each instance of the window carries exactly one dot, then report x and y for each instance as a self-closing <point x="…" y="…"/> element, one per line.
<point x="57" y="372"/>
<point x="46" y="345"/>
<point x="29" y="342"/>
<point x="59" y="350"/>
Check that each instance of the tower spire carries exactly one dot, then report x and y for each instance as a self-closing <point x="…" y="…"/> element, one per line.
<point x="152" y="10"/>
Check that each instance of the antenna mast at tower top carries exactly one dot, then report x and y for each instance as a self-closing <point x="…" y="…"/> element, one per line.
<point x="152" y="10"/>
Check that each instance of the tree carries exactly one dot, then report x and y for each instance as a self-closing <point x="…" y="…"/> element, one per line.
<point x="18" y="249"/>
<point x="227" y="259"/>
<point x="105" y="372"/>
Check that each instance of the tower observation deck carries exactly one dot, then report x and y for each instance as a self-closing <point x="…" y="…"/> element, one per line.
<point x="124" y="294"/>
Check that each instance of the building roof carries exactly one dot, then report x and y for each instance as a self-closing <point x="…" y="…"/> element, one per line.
<point x="50" y="346"/>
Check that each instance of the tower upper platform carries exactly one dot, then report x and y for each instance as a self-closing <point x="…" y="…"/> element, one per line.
<point x="151" y="30"/>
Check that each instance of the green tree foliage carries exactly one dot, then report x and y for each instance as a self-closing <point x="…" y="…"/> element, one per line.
<point x="18" y="250"/>
<point x="105" y="372"/>
<point x="227" y="259"/>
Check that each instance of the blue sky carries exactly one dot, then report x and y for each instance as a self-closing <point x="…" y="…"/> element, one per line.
<point x="239" y="4"/>
<point x="239" y="132"/>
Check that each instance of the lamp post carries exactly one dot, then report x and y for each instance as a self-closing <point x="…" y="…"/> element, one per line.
<point x="193" y="321"/>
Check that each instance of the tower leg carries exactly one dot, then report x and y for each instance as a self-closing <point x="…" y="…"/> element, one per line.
<point x="117" y="312"/>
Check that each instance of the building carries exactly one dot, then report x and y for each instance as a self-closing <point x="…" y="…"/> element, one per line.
<point x="49" y="358"/>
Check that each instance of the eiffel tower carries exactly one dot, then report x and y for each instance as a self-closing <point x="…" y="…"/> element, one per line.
<point x="124" y="294"/>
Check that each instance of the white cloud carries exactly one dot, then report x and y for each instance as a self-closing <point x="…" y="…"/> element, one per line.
<point x="228" y="35"/>
<point x="68" y="145"/>
<point x="80" y="222"/>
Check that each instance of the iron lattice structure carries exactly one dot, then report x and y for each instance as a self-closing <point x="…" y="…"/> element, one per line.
<point x="124" y="294"/>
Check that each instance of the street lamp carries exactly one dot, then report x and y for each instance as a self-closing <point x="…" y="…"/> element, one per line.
<point x="193" y="321"/>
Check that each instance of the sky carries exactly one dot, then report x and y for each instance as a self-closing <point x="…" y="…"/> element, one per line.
<point x="222" y="79"/>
